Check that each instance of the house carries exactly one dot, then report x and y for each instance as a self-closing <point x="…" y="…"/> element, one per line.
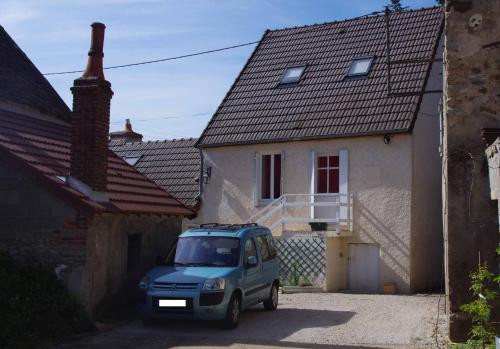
<point x="471" y="115"/>
<point x="338" y="123"/>
<point x="67" y="202"/>
<point x="174" y="165"/>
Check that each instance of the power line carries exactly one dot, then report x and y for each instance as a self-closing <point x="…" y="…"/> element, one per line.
<point x="161" y="59"/>
<point x="164" y="118"/>
<point x="317" y="27"/>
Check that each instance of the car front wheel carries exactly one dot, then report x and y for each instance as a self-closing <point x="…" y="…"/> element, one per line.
<point x="272" y="302"/>
<point x="233" y="312"/>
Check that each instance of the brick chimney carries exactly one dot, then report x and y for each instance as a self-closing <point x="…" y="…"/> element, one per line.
<point x="126" y="136"/>
<point x="90" y="118"/>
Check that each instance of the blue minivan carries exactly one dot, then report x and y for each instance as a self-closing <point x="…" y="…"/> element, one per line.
<point x="214" y="272"/>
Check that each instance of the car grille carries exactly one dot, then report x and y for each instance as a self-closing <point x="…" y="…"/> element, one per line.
<point x="174" y="286"/>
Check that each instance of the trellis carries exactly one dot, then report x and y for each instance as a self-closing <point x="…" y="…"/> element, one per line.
<point x="308" y="256"/>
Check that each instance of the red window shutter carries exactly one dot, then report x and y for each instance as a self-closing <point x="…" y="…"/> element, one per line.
<point x="333" y="181"/>
<point x="266" y="177"/>
<point x="277" y="176"/>
<point x="322" y="181"/>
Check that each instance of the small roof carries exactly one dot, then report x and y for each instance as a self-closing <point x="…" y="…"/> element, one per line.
<point x="325" y="103"/>
<point x="174" y="165"/>
<point x="490" y="134"/>
<point x="43" y="147"/>
<point x="22" y="83"/>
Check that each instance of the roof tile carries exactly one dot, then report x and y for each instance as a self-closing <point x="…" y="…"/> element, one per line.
<point x="256" y="109"/>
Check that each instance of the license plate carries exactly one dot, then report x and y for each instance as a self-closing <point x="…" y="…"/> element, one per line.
<point x="176" y="303"/>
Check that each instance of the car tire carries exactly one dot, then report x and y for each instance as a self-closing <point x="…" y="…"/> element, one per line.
<point x="233" y="312"/>
<point x="272" y="302"/>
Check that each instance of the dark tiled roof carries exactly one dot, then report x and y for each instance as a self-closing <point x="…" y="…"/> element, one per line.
<point x="22" y="83"/>
<point x="324" y="103"/>
<point x="43" y="147"/>
<point x="173" y="165"/>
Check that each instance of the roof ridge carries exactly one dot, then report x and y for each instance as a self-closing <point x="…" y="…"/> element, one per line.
<point x="66" y="116"/>
<point x="369" y="15"/>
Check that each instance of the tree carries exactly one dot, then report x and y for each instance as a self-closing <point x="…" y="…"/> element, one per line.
<point x="395" y="6"/>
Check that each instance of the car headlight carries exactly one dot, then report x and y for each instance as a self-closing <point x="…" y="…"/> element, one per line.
<point x="214" y="284"/>
<point x="143" y="284"/>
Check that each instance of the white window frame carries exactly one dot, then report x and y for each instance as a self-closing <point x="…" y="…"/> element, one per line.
<point x="343" y="155"/>
<point x="327" y="168"/>
<point x="259" y="198"/>
<point x="370" y="60"/>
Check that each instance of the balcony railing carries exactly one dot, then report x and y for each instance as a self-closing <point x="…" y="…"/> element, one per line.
<point x="292" y="212"/>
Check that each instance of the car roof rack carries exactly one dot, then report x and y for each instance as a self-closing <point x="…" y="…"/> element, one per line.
<point x="226" y="226"/>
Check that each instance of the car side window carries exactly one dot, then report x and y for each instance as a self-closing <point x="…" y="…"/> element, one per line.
<point x="250" y="250"/>
<point x="263" y="247"/>
<point x="272" y="247"/>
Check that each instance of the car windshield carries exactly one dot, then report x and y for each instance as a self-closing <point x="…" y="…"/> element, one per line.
<point x="210" y="251"/>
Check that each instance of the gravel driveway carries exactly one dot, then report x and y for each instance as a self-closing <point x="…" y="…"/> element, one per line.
<point x="301" y="321"/>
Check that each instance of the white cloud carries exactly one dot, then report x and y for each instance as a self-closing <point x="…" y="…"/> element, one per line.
<point x="16" y="12"/>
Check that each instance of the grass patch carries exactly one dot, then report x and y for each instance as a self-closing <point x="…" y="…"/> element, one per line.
<point x="35" y="308"/>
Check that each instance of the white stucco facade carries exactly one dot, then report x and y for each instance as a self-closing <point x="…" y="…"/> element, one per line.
<point x="396" y="194"/>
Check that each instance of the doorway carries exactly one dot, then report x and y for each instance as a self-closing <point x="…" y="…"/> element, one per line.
<point x="363" y="267"/>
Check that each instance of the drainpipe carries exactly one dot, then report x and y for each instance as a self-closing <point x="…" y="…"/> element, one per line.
<point x="201" y="172"/>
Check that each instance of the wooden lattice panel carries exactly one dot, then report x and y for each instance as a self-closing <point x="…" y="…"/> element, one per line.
<point x="307" y="253"/>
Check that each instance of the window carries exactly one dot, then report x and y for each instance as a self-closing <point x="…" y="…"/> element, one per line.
<point x="207" y="251"/>
<point x="131" y="160"/>
<point x="328" y="174"/>
<point x="360" y="66"/>
<point x="292" y="75"/>
<point x="250" y="250"/>
<point x="263" y="247"/>
<point x="134" y="252"/>
<point x="270" y="176"/>
<point x="272" y="247"/>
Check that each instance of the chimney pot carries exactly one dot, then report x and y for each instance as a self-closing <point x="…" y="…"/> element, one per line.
<point x="94" y="68"/>
<point x="127" y="136"/>
<point x="128" y="126"/>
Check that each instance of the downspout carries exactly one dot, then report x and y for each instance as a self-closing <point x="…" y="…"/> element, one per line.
<point x="201" y="174"/>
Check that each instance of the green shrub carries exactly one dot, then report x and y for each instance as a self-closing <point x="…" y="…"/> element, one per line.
<point x="484" y="288"/>
<point x="35" y="307"/>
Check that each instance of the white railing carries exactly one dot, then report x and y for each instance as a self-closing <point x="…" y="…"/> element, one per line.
<point x="301" y="209"/>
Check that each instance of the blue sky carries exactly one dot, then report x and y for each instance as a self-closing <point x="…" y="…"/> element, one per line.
<point x="55" y="34"/>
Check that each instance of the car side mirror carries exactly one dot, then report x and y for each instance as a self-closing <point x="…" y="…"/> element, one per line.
<point x="251" y="261"/>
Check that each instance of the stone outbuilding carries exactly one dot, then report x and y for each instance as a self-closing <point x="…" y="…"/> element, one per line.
<point x="68" y="203"/>
<point x="471" y="107"/>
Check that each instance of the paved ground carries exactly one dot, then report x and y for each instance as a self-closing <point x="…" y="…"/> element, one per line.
<point x="302" y="321"/>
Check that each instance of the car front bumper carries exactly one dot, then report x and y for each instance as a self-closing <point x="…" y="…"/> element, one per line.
<point x="200" y="306"/>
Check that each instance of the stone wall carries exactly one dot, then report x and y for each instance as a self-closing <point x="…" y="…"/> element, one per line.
<point x="472" y="102"/>
<point x="108" y="248"/>
<point x="38" y="229"/>
<point x="87" y="252"/>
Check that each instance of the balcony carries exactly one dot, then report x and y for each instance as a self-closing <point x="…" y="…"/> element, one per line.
<point x="292" y="213"/>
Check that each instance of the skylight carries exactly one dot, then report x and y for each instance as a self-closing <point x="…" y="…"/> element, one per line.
<point x="131" y="160"/>
<point x="292" y="75"/>
<point x="360" y="66"/>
